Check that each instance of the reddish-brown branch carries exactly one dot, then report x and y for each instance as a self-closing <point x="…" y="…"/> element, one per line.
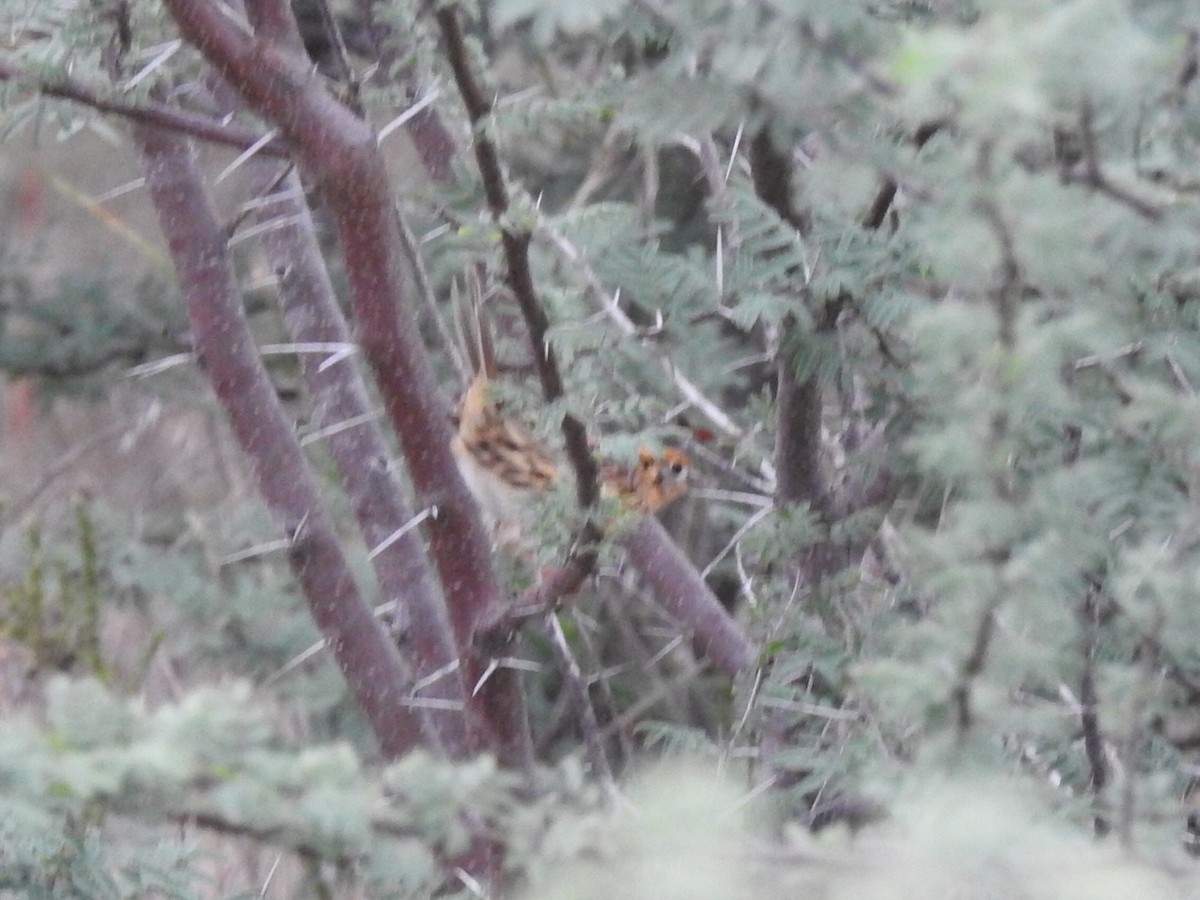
<point x="676" y="586"/>
<point x="682" y="593"/>
<point x="148" y="112"/>
<point x="311" y="312"/>
<point x="370" y="663"/>
<point x="340" y="157"/>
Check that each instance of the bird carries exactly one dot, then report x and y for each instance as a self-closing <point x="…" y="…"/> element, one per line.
<point x="506" y="467"/>
<point x="655" y="482"/>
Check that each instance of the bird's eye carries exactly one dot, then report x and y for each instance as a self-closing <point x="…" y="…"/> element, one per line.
<point x="677" y="467"/>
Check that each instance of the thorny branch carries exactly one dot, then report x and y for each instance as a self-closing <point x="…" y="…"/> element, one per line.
<point x="338" y="153"/>
<point x="370" y="663"/>
<point x="312" y="314"/>
<point x="149" y="112"/>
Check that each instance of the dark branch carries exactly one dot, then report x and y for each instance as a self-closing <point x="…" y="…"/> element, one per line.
<point x="1089" y="716"/>
<point x="771" y="170"/>
<point x="516" y="252"/>
<point x="972" y="668"/>
<point x="886" y="195"/>
<point x="1092" y="175"/>
<point x="798" y="401"/>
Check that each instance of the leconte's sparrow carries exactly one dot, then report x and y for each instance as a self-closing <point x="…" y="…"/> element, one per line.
<point x="505" y="467"/>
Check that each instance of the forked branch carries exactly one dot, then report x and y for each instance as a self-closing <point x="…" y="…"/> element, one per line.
<point x="368" y="660"/>
<point x="340" y="157"/>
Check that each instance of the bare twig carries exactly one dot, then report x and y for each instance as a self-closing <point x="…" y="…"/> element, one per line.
<point x="1136" y="716"/>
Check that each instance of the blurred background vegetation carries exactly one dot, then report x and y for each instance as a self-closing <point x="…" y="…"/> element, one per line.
<point x="966" y="234"/>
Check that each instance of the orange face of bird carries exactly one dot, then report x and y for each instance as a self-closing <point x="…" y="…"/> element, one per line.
<point x="505" y="467"/>
<point x="655" y="482"/>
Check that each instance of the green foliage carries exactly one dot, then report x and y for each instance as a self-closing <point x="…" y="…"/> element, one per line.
<point x="101" y="765"/>
<point x="55" y="609"/>
<point x="45" y="856"/>
<point x="78" y="337"/>
<point x="963" y="835"/>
